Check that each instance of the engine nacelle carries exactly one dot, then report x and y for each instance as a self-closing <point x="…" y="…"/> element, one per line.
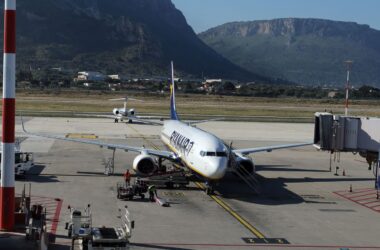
<point x="144" y="164"/>
<point x="131" y="112"/>
<point x="245" y="165"/>
<point x="116" y="111"/>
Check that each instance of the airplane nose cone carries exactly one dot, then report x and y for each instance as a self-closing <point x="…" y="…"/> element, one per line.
<point x="218" y="168"/>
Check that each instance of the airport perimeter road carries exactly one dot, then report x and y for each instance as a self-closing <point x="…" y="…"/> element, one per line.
<point x="298" y="204"/>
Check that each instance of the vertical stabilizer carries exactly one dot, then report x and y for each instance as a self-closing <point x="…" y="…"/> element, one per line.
<point x="173" y="110"/>
<point x="125" y="104"/>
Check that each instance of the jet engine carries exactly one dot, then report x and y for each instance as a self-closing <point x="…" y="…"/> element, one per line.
<point x="245" y="165"/>
<point x="131" y="112"/>
<point x="116" y="111"/>
<point x="144" y="164"/>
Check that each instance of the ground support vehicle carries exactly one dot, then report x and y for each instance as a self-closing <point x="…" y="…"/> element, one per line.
<point x="23" y="162"/>
<point x="82" y="232"/>
<point x="173" y="179"/>
<point x="125" y="191"/>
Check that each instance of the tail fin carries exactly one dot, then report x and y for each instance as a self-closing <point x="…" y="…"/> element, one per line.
<point x="173" y="110"/>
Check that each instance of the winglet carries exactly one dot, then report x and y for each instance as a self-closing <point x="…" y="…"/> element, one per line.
<point x="173" y="110"/>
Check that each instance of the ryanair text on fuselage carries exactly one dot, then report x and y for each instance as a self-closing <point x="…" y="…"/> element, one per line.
<point x="181" y="142"/>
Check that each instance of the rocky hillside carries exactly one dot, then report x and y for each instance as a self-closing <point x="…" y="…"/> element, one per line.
<point x="309" y="51"/>
<point x="118" y="36"/>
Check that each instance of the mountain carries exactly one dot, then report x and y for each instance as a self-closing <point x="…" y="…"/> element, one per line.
<point x="118" y="36"/>
<point x="307" y="51"/>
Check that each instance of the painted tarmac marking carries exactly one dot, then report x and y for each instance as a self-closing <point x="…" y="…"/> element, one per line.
<point x="53" y="211"/>
<point x="243" y="221"/>
<point x="370" y="198"/>
<point x="265" y="241"/>
<point x="81" y="136"/>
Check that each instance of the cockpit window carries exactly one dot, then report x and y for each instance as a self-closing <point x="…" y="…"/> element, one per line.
<point x="210" y="153"/>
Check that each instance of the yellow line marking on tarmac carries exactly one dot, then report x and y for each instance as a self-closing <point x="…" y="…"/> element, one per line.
<point x="218" y="200"/>
<point x="81" y="136"/>
<point x="243" y="221"/>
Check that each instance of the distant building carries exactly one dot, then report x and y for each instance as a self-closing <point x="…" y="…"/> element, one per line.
<point x="114" y="77"/>
<point x="119" y="77"/>
<point x="331" y="94"/>
<point x="213" y="81"/>
<point x="91" y="76"/>
<point x="209" y="85"/>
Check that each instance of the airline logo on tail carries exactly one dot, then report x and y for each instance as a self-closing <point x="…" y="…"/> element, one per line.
<point x="173" y="111"/>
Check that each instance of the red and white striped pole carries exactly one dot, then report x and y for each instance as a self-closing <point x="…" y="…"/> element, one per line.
<point x="7" y="188"/>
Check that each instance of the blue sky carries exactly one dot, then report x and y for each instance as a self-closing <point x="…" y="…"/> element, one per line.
<point x="204" y="14"/>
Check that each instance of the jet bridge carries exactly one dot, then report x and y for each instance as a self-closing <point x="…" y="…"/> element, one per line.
<point x="336" y="133"/>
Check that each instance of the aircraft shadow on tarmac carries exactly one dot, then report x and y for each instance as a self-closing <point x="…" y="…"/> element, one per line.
<point x="273" y="190"/>
<point x="34" y="175"/>
<point x="287" y="168"/>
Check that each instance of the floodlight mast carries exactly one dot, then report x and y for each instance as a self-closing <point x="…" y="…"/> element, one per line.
<point x="349" y="65"/>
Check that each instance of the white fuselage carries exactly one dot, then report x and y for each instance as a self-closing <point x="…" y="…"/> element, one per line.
<point x="202" y="152"/>
<point x="122" y="112"/>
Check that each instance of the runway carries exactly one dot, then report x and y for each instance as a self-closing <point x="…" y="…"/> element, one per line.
<point x="297" y="209"/>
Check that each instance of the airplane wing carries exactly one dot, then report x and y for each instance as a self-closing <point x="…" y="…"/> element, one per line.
<point x="247" y="151"/>
<point x="203" y="121"/>
<point x="140" y="119"/>
<point x="141" y="150"/>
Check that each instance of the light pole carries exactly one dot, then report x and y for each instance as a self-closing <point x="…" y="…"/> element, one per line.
<point x="349" y="65"/>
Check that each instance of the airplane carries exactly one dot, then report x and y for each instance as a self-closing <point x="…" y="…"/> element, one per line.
<point x="203" y="153"/>
<point x="123" y="113"/>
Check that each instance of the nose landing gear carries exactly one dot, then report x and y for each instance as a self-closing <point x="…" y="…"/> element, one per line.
<point x="209" y="188"/>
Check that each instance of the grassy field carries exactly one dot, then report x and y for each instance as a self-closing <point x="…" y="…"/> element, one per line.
<point x="188" y="105"/>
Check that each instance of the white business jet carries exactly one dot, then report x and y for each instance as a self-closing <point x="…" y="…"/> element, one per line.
<point x="121" y="114"/>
